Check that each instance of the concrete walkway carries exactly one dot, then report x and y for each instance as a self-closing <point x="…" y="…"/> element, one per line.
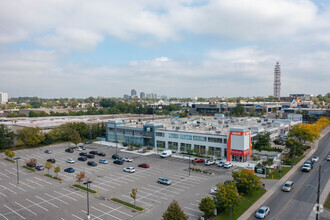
<point x="270" y="192"/>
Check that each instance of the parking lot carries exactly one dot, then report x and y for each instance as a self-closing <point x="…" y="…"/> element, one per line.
<point x="40" y="197"/>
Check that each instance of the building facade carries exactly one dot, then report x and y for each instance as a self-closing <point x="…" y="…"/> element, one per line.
<point x="3" y="97"/>
<point x="277" y="81"/>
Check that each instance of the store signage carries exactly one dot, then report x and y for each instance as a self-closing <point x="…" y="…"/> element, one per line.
<point x="239" y="152"/>
<point x="238" y="133"/>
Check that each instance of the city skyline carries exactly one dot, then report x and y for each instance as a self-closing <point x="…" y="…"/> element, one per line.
<point x="181" y="49"/>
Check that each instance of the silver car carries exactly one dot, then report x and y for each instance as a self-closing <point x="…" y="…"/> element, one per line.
<point x="127" y="159"/>
<point x="70" y="160"/>
<point x="104" y="161"/>
<point x="129" y="169"/>
<point x="288" y="186"/>
<point x="262" y="212"/>
<point x="164" y="180"/>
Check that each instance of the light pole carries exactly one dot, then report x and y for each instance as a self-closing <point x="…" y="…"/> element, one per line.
<point x="17" y="158"/>
<point x="87" y="183"/>
<point x="318" y="195"/>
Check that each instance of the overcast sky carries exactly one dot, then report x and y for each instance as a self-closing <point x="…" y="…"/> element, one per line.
<point x="179" y="48"/>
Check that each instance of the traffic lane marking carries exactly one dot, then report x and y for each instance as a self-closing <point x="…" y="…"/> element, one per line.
<point x="13" y="211"/>
<point x="26" y="208"/>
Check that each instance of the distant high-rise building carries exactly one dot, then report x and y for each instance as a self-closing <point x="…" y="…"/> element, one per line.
<point x="142" y="95"/>
<point x="126" y="96"/>
<point x="133" y="92"/>
<point x="3" y="97"/>
<point x="277" y="80"/>
<point x="148" y="96"/>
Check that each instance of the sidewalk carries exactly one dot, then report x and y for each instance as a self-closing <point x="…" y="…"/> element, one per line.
<point x="323" y="197"/>
<point x="270" y="192"/>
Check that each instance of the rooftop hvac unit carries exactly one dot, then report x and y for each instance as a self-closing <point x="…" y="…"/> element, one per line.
<point x="218" y="132"/>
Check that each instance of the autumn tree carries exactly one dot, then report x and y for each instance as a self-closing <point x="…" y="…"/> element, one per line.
<point x="75" y="138"/>
<point x="48" y="165"/>
<point x="6" y="136"/>
<point x="32" y="162"/>
<point x="226" y="196"/>
<point x="31" y="135"/>
<point x="304" y="133"/>
<point x="174" y="212"/>
<point x="246" y="181"/>
<point x="57" y="169"/>
<point x="11" y="154"/>
<point x="207" y="206"/>
<point x="80" y="177"/>
<point x="133" y="194"/>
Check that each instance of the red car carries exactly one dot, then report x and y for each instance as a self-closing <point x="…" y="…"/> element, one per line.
<point x="198" y="160"/>
<point x="144" y="165"/>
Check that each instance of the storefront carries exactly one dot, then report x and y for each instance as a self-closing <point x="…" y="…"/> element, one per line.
<point x="239" y="145"/>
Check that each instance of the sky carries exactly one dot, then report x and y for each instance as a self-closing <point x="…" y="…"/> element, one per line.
<point x="179" y="48"/>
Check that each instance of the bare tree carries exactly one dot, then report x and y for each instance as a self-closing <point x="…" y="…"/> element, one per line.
<point x="80" y="177"/>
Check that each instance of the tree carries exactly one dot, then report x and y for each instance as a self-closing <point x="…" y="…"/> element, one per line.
<point x="32" y="162"/>
<point x="7" y="152"/>
<point x="304" y="133"/>
<point x="226" y="196"/>
<point x="6" y="136"/>
<point x="48" y="166"/>
<point x="207" y="206"/>
<point x="11" y="154"/>
<point x="133" y="194"/>
<point x="80" y="177"/>
<point x="75" y="138"/>
<point x="174" y="212"/>
<point x="263" y="141"/>
<point x="30" y="135"/>
<point x="57" y="169"/>
<point x="246" y="181"/>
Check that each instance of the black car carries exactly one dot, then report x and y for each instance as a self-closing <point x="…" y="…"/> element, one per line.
<point x="88" y="142"/>
<point x="30" y="165"/>
<point x="83" y="147"/>
<point x="91" y="156"/>
<point x="93" y="152"/>
<point x="102" y="154"/>
<point x="92" y="163"/>
<point x="52" y="160"/>
<point x="120" y="162"/>
<point x="69" y="150"/>
<point x="83" y="154"/>
<point x="82" y="158"/>
<point x="116" y="157"/>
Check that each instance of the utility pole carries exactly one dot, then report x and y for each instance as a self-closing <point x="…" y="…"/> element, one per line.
<point x="17" y="158"/>
<point x="87" y="183"/>
<point x="318" y="195"/>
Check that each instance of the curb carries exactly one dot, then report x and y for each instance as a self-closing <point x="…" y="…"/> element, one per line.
<point x="323" y="197"/>
<point x="270" y="192"/>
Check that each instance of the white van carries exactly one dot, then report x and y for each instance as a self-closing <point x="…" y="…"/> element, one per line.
<point x="166" y="153"/>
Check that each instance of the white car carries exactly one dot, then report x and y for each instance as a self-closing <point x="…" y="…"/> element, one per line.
<point x="70" y="160"/>
<point x="209" y="162"/>
<point x="128" y="159"/>
<point x="221" y="163"/>
<point x="104" y="161"/>
<point x="262" y="212"/>
<point x="315" y="159"/>
<point x="227" y="165"/>
<point x="78" y="149"/>
<point x="213" y="190"/>
<point x="129" y="169"/>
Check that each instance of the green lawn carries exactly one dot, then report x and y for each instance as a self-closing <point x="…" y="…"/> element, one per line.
<point x="13" y="161"/>
<point x="84" y="188"/>
<point x="296" y="160"/>
<point x="245" y="203"/>
<point x="29" y="168"/>
<point x="327" y="202"/>
<point x="127" y="204"/>
<point x="276" y="175"/>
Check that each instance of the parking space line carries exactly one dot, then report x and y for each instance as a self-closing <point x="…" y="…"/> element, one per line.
<point x="170" y="191"/>
<point x="76" y="216"/>
<point x="53" y="197"/>
<point x="194" y="204"/>
<point x="35" y="182"/>
<point x="161" y="197"/>
<point x="46" y="201"/>
<point x="14" y="211"/>
<point x="26" y="208"/>
<point x="4" y="175"/>
<point x="3" y="194"/>
<point x="27" y="185"/>
<point x="66" y="196"/>
<point x="17" y="187"/>
<point x="43" y="180"/>
<point x="8" y="189"/>
<point x="158" y="192"/>
<point x="116" y="209"/>
<point x="196" y="210"/>
<point x="74" y="193"/>
<point x="105" y="213"/>
<point x="149" y="194"/>
<point x="3" y="216"/>
<point x="91" y="214"/>
<point x="97" y="186"/>
<point x="2" y="163"/>
<point x="18" y="171"/>
<point x="140" y="200"/>
<point x="182" y="190"/>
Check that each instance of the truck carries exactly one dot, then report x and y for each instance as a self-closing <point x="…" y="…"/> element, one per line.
<point x="166" y="153"/>
<point x="308" y="165"/>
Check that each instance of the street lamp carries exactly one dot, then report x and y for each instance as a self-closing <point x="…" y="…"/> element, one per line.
<point x="87" y="183"/>
<point x="17" y="158"/>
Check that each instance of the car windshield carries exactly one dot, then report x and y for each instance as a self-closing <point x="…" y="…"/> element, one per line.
<point x="287" y="185"/>
<point x="261" y="211"/>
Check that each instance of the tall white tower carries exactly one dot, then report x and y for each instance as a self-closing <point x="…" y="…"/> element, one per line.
<point x="277" y="80"/>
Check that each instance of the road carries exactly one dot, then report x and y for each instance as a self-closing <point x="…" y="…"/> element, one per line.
<point x="298" y="203"/>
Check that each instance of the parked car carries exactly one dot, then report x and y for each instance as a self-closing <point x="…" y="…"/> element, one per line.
<point x="90" y="156"/>
<point x="287" y="187"/>
<point x="144" y="165"/>
<point x="116" y="156"/>
<point x="103" y="161"/>
<point x="328" y="157"/>
<point x="227" y="165"/>
<point x="315" y="159"/>
<point x="52" y="160"/>
<point x="127" y="159"/>
<point x="129" y="169"/>
<point x="48" y="151"/>
<point x="164" y="181"/>
<point x="78" y="149"/>
<point x="262" y="212"/>
<point x="209" y="162"/>
<point x="69" y="170"/>
<point x="39" y="167"/>
<point x="82" y="158"/>
<point x="82" y="147"/>
<point x="69" y="150"/>
<point x="88" y="142"/>
<point x="70" y="160"/>
<point x="120" y="162"/>
<point x="198" y="160"/>
<point x="166" y="153"/>
<point x="83" y="154"/>
<point x="221" y="163"/>
<point x="93" y="152"/>
<point x="101" y="154"/>
<point x="92" y="163"/>
<point x="213" y="190"/>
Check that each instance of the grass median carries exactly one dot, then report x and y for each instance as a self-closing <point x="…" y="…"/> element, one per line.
<point x="84" y="188"/>
<point x="29" y="168"/>
<point x="13" y="161"/>
<point x="53" y="177"/>
<point x="127" y="204"/>
<point x="246" y="202"/>
<point x="327" y="202"/>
